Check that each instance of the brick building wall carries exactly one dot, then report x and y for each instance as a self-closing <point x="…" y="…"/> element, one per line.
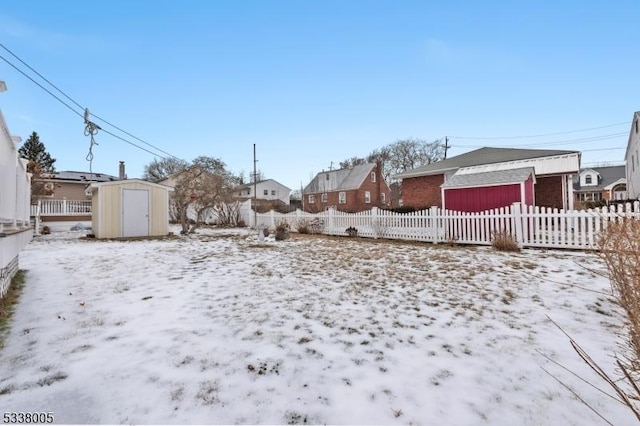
<point x="422" y="192"/>
<point x="549" y="191"/>
<point x="355" y="198"/>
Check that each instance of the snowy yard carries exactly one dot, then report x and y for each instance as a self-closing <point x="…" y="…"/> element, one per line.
<point x="217" y="328"/>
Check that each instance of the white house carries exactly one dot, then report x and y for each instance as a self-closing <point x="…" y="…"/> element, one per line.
<point x="267" y="189"/>
<point x="15" y="196"/>
<point x="632" y="160"/>
<point x="601" y="184"/>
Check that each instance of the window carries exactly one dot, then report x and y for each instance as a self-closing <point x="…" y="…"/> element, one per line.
<point x="587" y="179"/>
<point x="373" y="176"/>
<point x="327" y="176"/>
<point x="383" y="197"/>
<point x="312" y="199"/>
<point x="636" y="126"/>
<point x="273" y="192"/>
<point x="367" y="196"/>
<point x="248" y="192"/>
<point x="324" y="198"/>
<point x="265" y="192"/>
<point x="342" y="197"/>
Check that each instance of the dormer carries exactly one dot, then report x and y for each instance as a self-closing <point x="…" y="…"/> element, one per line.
<point x="589" y="177"/>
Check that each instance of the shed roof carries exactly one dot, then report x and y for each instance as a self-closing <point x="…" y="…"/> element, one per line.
<point x="480" y="157"/>
<point x="498" y="177"/>
<point x="96" y="185"/>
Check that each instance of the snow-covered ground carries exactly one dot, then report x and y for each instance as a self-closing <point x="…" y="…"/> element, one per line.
<point x="221" y="328"/>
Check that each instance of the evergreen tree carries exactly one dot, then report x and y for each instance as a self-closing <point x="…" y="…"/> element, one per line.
<point x="39" y="159"/>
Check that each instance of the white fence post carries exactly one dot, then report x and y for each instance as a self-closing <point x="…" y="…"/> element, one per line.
<point x="375" y="225"/>
<point x="433" y="220"/>
<point x="330" y="220"/>
<point x="516" y="217"/>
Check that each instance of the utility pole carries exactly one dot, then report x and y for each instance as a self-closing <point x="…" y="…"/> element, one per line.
<point x="446" y="146"/>
<point x="255" y="190"/>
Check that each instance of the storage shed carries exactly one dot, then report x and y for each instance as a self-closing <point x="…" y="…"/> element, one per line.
<point x="129" y="208"/>
<point x="475" y="192"/>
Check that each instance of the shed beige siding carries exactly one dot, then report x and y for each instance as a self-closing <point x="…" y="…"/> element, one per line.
<point x="107" y="208"/>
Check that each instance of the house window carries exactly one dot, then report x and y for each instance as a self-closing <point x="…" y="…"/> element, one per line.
<point x="383" y="197"/>
<point x="327" y="176"/>
<point x="324" y="198"/>
<point x="248" y="192"/>
<point x="342" y="197"/>
<point x="587" y="179"/>
<point x="273" y="192"/>
<point x="265" y="192"/>
<point x="367" y="196"/>
<point x="312" y="199"/>
<point x="373" y="176"/>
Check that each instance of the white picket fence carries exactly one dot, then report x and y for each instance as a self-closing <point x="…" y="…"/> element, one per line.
<point x="531" y="226"/>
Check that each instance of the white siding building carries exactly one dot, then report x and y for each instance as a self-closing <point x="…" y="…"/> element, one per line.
<point x="15" y="196"/>
<point x="267" y="189"/>
<point x="631" y="159"/>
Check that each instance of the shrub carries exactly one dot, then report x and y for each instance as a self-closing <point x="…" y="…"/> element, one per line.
<point x="504" y="241"/>
<point x="302" y="226"/>
<point x="619" y="247"/>
<point x="351" y="231"/>
<point x="282" y="231"/>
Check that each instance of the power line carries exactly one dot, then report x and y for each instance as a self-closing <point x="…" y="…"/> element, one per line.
<point x="133" y="144"/>
<point x="80" y="106"/>
<point x="135" y="137"/>
<point x="564" y="141"/>
<point x="543" y="134"/>
<point x="41" y="76"/>
<point x="603" y="149"/>
<point x="41" y="86"/>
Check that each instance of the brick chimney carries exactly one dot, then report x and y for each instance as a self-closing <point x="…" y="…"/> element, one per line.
<point x="122" y="175"/>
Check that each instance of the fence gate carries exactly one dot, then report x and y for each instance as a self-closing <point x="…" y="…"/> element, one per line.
<point x="135" y="212"/>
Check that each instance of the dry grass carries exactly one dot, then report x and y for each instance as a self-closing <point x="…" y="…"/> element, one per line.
<point x="8" y="302"/>
<point x="504" y="241"/>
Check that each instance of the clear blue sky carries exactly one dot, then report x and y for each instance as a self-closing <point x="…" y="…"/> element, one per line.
<point x="312" y="83"/>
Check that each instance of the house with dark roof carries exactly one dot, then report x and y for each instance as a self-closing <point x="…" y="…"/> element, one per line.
<point x="71" y="185"/>
<point x="353" y="189"/>
<point x="632" y="159"/>
<point x="601" y="184"/>
<point x="489" y="178"/>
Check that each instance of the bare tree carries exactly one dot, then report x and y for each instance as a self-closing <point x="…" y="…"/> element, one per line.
<point x="400" y="156"/>
<point x="162" y="169"/>
<point x="199" y="187"/>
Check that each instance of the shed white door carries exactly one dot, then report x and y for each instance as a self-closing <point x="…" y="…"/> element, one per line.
<point x="135" y="212"/>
